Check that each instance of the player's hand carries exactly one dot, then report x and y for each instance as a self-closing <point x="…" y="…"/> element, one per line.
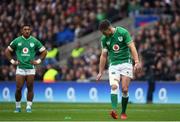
<point x="137" y="67"/>
<point x="36" y="62"/>
<point x="14" y="62"/>
<point x="99" y="76"/>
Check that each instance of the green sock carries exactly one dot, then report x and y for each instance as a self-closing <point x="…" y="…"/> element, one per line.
<point x="124" y="103"/>
<point x="114" y="101"/>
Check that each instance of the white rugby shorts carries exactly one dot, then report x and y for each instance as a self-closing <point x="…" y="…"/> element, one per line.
<point x="115" y="72"/>
<point x="25" y="72"/>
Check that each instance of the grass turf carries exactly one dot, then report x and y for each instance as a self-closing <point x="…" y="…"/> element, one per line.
<point x="89" y="112"/>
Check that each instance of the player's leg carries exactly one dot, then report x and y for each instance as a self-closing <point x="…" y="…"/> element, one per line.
<point x="125" y="96"/>
<point x="127" y="75"/>
<point x="114" y="78"/>
<point x="30" y="73"/>
<point x="19" y="85"/>
<point x="114" y="100"/>
<point x="114" y="95"/>
<point x="30" y="92"/>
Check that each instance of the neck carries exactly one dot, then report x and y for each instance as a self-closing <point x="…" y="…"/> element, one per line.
<point x="25" y="37"/>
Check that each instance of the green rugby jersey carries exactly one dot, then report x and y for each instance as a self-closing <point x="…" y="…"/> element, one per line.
<point x="25" y="50"/>
<point x="117" y="46"/>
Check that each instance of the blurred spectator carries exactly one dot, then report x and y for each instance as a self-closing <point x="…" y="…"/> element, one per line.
<point x="52" y="56"/>
<point x="149" y="66"/>
<point x="64" y="72"/>
<point x="77" y="51"/>
<point x="54" y="21"/>
<point x="163" y="38"/>
<point x="134" y="7"/>
<point x="39" y="73"/>
<point x="177" y="77"/>
<point x="51" y="75"/>
<point x="3" y="60"/>
<point x="101" y="14"/>
<point x="66" y="35"/>
<point x="113" y="9"/>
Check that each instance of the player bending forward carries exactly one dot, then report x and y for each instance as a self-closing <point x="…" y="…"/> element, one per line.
<point x="117" y="44"/>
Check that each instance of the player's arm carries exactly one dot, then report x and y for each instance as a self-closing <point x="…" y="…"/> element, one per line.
<point x="42" y="50"/>
<point x="134" y="53"/>
<point x="8" y="54"/>
<point x="43" y="53"/>
<point x="137" y="66"/>
<point x="131" y="45"/>
<point x="102" y="63"/>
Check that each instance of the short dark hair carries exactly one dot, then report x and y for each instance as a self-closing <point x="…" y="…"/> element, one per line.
<point x="104" y="25"/>
<point x="25" y="23"/>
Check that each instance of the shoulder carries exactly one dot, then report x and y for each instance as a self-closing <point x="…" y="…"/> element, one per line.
<point x="103" y="38"/>
<point x="34" y="38"/>
<point x="122" y="30"/>
<point x="19" y="38"/>
<point x="16" y="40"/>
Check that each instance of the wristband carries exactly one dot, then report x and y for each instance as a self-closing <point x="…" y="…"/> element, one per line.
<point x="38" y="61"/>
<point x="12" y="61"/>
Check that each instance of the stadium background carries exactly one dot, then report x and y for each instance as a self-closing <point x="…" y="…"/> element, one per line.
<point x="68" y="28"/>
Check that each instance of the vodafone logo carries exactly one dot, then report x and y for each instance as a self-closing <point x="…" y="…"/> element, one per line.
<point x="115" y="47"/>
<point x="25" y="50"/>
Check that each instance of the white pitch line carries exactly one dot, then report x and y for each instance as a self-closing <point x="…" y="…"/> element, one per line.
<point x="91" y="110"/>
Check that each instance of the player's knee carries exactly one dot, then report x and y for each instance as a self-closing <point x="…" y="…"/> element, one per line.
<point x="114" y="89"/>
<point x="29" y="87"/>
<point x="125" y="89"/>
<point x="125" y="92"/>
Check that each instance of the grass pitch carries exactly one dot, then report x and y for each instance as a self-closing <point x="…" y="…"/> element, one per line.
<point x="89" y="112"/>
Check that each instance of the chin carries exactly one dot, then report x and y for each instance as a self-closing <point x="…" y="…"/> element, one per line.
<point x="26" y="36"/>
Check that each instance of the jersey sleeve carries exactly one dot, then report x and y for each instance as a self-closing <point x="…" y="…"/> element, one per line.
<point x="39" y="46"/>
<point x="127" y="37"/>
<point x="12" y="45"/>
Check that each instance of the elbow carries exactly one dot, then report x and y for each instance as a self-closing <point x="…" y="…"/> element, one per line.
<point x="6" y="52"/>
<point x="104" y="55"/>
<point x="45" y="53"/>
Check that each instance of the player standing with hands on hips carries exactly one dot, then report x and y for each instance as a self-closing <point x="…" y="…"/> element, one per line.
<point x="25" y="48"/>
<point x="118" y="46"/>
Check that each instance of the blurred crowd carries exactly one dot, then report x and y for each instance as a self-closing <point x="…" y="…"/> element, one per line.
<point x="160" y="50"/>
<point x="58" y="22"/>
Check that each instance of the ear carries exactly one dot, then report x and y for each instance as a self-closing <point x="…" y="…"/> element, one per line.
<point x="110" y="28"/>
